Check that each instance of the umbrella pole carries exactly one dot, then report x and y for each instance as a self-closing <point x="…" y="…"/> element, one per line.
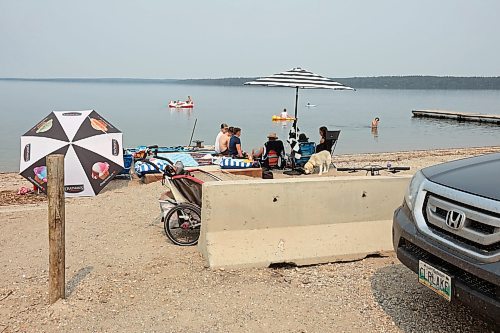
<point x="296" y="100"/>
<point x="296" y="104"/>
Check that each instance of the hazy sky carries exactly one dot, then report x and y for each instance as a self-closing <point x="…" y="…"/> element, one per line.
<point x="212" y="39"/>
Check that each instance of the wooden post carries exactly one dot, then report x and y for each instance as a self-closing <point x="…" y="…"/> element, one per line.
<point x="57" y="252"/>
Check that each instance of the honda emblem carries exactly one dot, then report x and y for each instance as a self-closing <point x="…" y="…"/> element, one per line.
<point x="455" y="219"/>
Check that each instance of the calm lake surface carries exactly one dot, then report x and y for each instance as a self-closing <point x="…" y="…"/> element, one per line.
<point x="141" y="112"/>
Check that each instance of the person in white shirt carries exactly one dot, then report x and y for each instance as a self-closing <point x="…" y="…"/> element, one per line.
<point x="284" y="114"/>
<point x="223" y="130"/>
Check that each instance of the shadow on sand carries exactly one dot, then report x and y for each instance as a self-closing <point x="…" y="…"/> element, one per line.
<point x="415" y="308"/>
<point x="77" y="278"/>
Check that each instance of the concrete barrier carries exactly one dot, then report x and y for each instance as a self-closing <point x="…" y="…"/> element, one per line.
<point x="255" y="223"/>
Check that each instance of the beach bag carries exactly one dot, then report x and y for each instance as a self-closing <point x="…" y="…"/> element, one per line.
<point x="267" y="174"/>
<point x="235" y="163"/>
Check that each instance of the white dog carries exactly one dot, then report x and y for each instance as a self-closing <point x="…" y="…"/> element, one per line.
<point x="323" y="159"/>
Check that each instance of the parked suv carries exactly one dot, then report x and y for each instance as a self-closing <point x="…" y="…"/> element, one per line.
<point x="448" y="231"/>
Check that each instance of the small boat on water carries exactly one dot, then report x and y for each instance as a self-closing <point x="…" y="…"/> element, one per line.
<point x="181" y="105"/>
<point x="188" y="104"/>
<point x="280" y="118"/>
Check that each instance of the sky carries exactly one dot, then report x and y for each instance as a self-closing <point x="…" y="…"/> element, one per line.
<point x="231" y="38"/>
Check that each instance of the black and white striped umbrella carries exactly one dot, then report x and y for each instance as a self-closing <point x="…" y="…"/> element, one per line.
<point x="298" y="78"/>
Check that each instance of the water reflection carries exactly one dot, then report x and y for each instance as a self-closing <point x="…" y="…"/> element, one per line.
<point x="180" y="112"/>
<point x="375" y="133"/>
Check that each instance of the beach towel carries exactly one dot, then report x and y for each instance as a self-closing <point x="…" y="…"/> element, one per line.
<point x="234" y="163"/>
<point x="185" y="158"/>
<point x="203" y="158"/>
<point x="161" y="149"/>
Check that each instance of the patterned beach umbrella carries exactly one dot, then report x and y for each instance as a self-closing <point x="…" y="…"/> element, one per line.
<point x="298" y="78"/>
<point x="91" y="145"/>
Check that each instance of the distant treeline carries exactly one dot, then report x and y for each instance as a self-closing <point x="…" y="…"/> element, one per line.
<point x="376" y="82"/>
<point x="384" y="82"/>
<point x="93" y="80"/>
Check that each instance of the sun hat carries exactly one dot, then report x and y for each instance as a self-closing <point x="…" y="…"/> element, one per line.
<point x="272" y="135"/>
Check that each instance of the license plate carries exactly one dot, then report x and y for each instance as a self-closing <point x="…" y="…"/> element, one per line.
<point x="434" y="279"/>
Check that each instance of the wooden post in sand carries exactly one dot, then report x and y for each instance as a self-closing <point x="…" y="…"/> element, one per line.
<point x="57" y="252"/>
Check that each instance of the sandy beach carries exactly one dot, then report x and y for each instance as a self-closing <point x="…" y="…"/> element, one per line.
<point x="123" y="275"/>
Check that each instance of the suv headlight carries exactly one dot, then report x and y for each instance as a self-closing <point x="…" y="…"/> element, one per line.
<point x="412" y="191"/>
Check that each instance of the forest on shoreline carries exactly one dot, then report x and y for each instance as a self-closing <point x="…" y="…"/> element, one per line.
<point x="375" y="82"/>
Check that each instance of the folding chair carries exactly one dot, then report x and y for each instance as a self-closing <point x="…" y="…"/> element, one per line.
<point x="273" y="156"/>
<point x="333" y="137"/>
<point x="306" y="150"/>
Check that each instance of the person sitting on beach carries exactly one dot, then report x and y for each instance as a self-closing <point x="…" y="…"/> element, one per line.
<point x="375" y="122"/>
<point x="324" y="144"/>
<point x="235" y="150"/>
<point x="224" y="141"/>
<point x="284" y="114"/>
<point x="222" y="133"/>
<point x="272" y="154"/>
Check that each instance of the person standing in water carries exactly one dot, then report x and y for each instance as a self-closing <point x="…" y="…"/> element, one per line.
<point x="284" y="114"/>
<point x="375" y="122"/>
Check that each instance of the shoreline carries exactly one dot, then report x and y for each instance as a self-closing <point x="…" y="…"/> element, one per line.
<point x="11" y="182"/>
<point x="400" y="153"/>
<point x="397" y="155"/>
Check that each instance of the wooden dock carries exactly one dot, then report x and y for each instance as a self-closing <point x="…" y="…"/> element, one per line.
<point x="460" y="116"/>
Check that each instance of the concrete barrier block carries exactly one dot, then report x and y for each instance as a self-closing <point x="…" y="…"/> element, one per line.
<point x="301" y="221"/>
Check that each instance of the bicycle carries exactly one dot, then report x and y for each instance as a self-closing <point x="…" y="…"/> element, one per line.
<point x="182" y="220"/>
<point x="374" y="169"/>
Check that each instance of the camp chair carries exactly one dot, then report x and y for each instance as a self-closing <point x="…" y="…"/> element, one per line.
<point x="306" y="149"/>
<point x="273" y="159"/>
<point x="127" y="164"/>
<point x="333" y="136"/>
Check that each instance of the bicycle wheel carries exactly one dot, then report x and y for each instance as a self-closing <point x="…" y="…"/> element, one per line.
<point x="182" y="224"/>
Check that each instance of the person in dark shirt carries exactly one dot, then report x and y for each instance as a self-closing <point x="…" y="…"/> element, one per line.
<point x="324" y="144"/>
<point x="235" y="144"/>
<point x="273" y="152"/>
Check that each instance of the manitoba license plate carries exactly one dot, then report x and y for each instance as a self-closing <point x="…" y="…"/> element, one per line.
<point x="434" y="279"/>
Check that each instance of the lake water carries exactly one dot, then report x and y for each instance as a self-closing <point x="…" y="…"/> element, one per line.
<point x="141" y="112"/>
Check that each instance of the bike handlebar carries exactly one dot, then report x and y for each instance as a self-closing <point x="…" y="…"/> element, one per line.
<point x="374" y="169"/>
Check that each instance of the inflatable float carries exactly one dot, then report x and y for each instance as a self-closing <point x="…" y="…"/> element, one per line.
<point x="181" y="105"/>
<point x="279" y="118"/>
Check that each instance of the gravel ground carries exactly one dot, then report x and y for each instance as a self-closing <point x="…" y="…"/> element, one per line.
<point x="123" y="275"/>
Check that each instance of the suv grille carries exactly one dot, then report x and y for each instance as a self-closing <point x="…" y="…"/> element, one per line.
<point x="476" y="230"/>
<point x="472" y="281"/>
